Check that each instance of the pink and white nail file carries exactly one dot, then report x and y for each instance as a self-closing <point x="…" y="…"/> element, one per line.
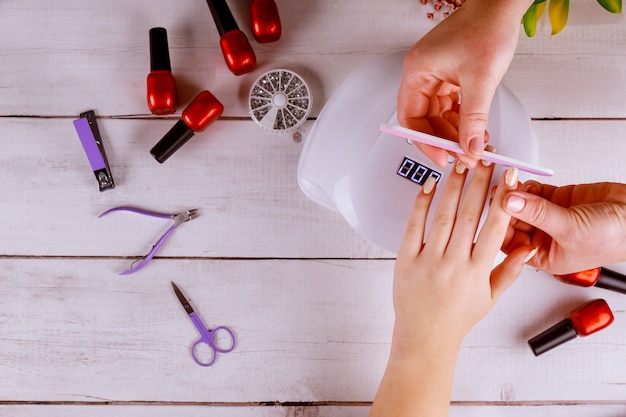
<point x="448" y="145"/>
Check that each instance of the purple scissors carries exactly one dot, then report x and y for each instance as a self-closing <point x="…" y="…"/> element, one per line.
<point x="179" y="218"/>
<point x="207" y="337"/>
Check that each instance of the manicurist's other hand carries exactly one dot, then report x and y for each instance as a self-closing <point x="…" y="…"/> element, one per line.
<point x="468" y="52"/>
<point x="575" y="227"/>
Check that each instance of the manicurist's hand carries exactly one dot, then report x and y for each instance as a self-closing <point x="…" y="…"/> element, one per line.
<point x="575" y="227"/>
<point x="468" y="52"/>
<point x="443" y="286"/>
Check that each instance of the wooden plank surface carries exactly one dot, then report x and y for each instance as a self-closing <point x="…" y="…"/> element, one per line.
<point x="307" y="331"/>
<point x="62" y="58"/>
<point x="242" y="180"/>
<point x="612" y="410"/>
<point x="308" y="298"/>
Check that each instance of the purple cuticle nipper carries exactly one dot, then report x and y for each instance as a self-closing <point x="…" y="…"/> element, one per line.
<point x="178" y="218"/>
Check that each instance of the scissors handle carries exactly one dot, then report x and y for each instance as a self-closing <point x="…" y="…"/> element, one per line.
<point x="209" y="338"/>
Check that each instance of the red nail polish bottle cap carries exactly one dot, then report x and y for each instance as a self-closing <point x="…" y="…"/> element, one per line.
<point x="266" y="25"/>
<point x="201" y="112"/>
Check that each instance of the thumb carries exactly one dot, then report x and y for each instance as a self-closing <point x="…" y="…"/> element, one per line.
<point x="505" y="274"/>
<point x="539" y="213"/>
<point x="473" y="117"/>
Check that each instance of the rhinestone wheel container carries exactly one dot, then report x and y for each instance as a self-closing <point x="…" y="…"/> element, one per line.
<point x="280" y="100"/>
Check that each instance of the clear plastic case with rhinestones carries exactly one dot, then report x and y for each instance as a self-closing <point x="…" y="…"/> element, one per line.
<point x="280" y="100"/>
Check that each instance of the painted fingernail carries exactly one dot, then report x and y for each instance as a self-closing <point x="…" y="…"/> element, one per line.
<point x="515" y="204"/>
<point x="530" y="255"/>
<point x="476" y="146"/>
<point x="511" y="177"/>
<point x="429" y="185"/>
<point x="460" y="167"/>
<point x="492" y="149"/>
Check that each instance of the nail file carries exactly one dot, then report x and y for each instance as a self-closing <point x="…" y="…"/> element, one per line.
<point x="448" y="145"/>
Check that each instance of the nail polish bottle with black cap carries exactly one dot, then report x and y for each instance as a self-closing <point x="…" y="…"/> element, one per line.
<point x="201" y="112"/>
<point x="597" y="277"/>
<point x="585" y="320"/>
<point x="161" y="86"/>
<point x="236" y="49"/>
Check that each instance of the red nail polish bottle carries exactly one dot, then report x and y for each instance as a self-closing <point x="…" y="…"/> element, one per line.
<point x="265" y="21"/>
<point x="201" y="112"/>
<point x="236" y="49"/>
<point x="598" y="277"/>
<point x="161" y="84"/>
<point x="585" y="320"/>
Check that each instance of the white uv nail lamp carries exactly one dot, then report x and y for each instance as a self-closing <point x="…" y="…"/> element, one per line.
<point x="348" y="165"/>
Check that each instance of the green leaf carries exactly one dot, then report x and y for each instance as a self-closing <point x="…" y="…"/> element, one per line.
<point x="558" y="11"/>
<point x="541" y="6"/>
<point x="532" y="15"/>
<point x="530" y="21"/>
<point x="613" y="6"/>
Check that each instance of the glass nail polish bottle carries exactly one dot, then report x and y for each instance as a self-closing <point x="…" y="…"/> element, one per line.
<point x="161" y="86"/>
<point x="598" y="277"/>
<point x="201" y="112"/>
<point x="585" y="320"/>
<point x="236" y="49"/>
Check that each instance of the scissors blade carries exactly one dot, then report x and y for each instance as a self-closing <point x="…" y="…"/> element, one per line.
<point x="182" y="299"/>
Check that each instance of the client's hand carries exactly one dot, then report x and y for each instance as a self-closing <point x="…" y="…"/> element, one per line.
<point x="442" y="288"/>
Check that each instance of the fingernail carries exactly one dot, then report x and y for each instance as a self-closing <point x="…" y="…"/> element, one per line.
<point x="492" y="149"/>
<point x="515" y="204"/>
<point x="530" y="255"/>
<point x="511" y="177"/>
<point x="532" y="187"/>
<point x="429" y="185"/>
<point x="476" y="146"/>
<point x="460" y="167"/>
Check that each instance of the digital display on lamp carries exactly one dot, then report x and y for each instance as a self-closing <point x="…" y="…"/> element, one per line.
<point x="416" y="172"/>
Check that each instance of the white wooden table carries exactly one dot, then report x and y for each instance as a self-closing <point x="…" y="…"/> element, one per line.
<point x="309" y="300"/>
